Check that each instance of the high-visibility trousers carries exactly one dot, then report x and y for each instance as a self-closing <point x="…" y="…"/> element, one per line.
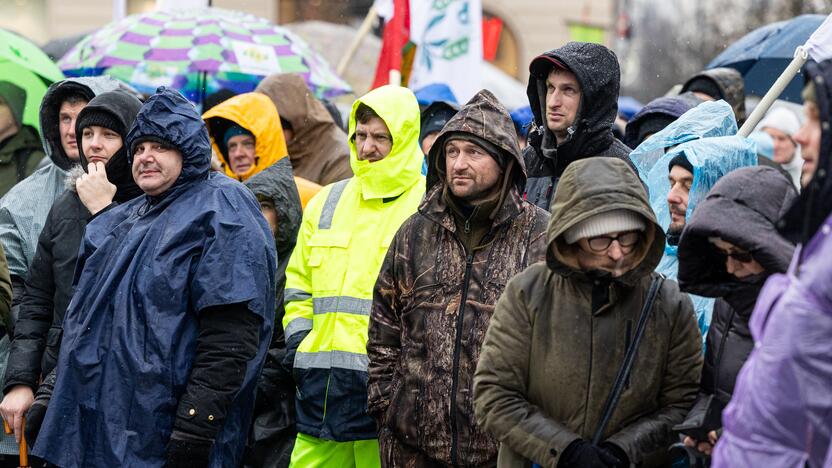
<point x="311" y="452"/>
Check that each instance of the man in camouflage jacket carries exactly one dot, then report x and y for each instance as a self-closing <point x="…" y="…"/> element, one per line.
<point x="444" y="271"/>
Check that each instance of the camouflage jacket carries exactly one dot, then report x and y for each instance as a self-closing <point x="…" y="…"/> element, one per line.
<point x="431" y="308"/>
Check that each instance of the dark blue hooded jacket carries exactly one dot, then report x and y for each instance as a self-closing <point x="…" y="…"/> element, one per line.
<point x="146" y="272"/>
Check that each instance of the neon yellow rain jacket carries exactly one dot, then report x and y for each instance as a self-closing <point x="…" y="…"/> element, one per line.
<point x="343" y="239"/>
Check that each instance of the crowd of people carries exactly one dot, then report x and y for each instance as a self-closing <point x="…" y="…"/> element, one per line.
<point x="254" y="286"/>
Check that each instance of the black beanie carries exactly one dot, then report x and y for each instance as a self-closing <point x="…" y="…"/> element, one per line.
<point x="100" y="118"/>
<point x="704" y="85"/>
<point x="680" y="160"/>
<point x="650" y="124"/>
<point x="436" y="121"/>
<point x="493" y="150"/>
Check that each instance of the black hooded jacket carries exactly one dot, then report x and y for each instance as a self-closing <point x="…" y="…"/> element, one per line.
<point x="742" y="208"/>
<point x="596" y="69"/>
<point x="273" y="431"/>
<point x="37" y="339"/>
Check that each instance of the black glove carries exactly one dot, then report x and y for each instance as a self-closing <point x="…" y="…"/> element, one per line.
<point x="34" y="419"/>
<point x="187" y="451"/>
<point x="36" y="413"/>
<point x="582" y="454"/>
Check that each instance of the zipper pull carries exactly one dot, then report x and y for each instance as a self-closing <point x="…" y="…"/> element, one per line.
<point x="467" y="227"/>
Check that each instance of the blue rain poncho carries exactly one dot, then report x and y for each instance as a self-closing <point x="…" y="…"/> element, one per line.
<point x="146" y="269"/>
<point x="705" y="136"/>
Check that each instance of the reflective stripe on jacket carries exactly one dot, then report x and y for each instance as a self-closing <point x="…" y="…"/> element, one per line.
<point x="346" y="231"/>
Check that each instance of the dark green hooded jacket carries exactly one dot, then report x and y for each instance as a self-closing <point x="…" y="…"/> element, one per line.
<point x="559" y="334"/>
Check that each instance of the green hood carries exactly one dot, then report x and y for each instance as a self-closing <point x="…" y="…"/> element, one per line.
<point x="593" y="186"/>
<point x="402" y="168"/>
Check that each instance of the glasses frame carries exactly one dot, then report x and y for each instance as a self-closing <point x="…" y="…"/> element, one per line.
<point x="609" y="240"/>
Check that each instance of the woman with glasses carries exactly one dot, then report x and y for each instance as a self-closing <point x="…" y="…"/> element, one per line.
<point x="728" y="249"/>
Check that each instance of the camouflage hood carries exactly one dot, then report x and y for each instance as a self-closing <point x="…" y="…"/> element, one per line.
<point x="484" y="117"/>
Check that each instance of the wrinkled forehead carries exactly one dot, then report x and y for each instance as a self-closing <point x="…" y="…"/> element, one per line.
<point x="373" y="126"/>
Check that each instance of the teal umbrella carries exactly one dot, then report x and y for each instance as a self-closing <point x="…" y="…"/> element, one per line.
<point x="198" y="52"/>
<point x="24" y="64"/>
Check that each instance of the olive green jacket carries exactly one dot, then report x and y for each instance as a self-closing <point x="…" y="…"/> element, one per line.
<point x="19" y="157"/>
<point x="559" y="334"/>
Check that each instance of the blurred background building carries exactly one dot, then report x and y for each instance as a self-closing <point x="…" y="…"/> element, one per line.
<point x="523" y="28"/>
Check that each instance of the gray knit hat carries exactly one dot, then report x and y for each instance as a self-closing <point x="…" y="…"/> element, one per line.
<point x="604" y="223"/>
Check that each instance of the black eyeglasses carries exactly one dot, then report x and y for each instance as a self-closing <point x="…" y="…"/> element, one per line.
<point x="742" y="257"/>
<point x="625" y="240"/>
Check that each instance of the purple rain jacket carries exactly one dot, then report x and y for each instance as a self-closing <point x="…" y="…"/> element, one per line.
<point x="781" y="411"/>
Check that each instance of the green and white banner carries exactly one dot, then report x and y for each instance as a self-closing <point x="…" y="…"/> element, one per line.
<point x="448" y="38"/>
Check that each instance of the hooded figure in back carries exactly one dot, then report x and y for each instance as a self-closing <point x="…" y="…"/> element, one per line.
<point x="172" y="312"/>
<point x="247" y="137"/>
<point x="779" y="413"/>
<point x="101" y="131"/>
<point x="20" y="146"/>
<point x="560" y="331"/>
<point x="573" y="93"/>
<point x="317" y="146"/>
<point x="273" y="429"/>
<point x="680" y="164"/>
<point x="656" y="115"/>
<point x="436" y="291"/>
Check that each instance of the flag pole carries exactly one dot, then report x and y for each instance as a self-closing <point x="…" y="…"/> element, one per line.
<point x="366" y="25"/>
<point x="395" y="77"/>
<point x="801" y="55"/>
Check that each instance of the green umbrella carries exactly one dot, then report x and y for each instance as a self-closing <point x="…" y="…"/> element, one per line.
<point x="24" y="64"/>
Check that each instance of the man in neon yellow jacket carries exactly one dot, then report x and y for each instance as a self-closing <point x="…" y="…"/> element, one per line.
<point x="343" y="239"/>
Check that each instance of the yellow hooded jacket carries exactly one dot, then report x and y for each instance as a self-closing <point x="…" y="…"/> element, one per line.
<point x="256" y="113"/>
<point x="343" y="240"/>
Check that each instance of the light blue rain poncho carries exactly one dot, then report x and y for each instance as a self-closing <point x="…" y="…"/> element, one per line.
<point x="705" y="136"/>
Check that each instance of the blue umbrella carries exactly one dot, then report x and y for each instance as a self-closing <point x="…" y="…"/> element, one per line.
<point x="763" y="54"/>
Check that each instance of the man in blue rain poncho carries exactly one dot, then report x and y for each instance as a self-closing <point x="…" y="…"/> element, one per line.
<point x="680" y="164"/>
<point x="172" y="312"/>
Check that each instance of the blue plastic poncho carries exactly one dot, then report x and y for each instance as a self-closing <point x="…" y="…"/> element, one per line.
<point x="704" y="135"/>
<point x="145" y="271"/>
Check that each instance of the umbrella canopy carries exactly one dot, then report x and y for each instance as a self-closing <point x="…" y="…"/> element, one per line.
<point x="23" y="63"/>
<point x="763" y="54"/>
<point x="198" y="52"/>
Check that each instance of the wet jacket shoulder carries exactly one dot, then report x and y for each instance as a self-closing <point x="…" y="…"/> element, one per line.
<point x="559" y="335"/>
<point x="319" y="151"/>
<point x="5" y="291"/>
<point x="432" y="292"/>
<point x="596" y="69"/>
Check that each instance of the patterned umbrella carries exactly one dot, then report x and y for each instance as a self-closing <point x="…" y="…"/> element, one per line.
<point x="198" y="52"/>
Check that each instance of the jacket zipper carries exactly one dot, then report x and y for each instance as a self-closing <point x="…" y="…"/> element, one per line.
<point x="457" y="343"/>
